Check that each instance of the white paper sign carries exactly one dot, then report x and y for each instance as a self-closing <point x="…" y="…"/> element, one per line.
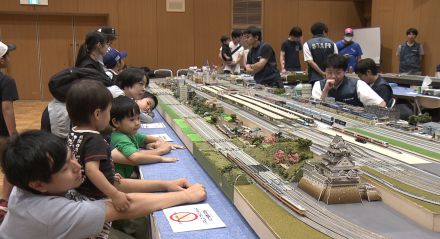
<point x="153" y="126"/>
<point x="192" y="217"/>
<point x="165" y="137"/>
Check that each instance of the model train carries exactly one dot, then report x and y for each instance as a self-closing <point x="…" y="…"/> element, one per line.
<point x="361" y="138"/>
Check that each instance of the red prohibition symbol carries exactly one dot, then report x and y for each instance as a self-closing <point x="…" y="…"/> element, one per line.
<point x="183" y="216"/>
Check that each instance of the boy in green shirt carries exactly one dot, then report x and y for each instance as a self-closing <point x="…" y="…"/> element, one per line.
<point x="137" y="148"/>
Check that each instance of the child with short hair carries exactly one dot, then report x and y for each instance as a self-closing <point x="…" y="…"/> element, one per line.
<point x="125" y="118"/>
<point x="133" y="82"/>
<point x="226" y="50"/>
<point x="88" y="104"/>
<point x="146" y="105"/>
<point x="42" y="169"/>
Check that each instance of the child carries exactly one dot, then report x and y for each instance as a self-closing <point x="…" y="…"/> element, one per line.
<point x="133" y="82"/>
<point x="43" y="169"/>
<point x="88" y="104"/>
<point x="226" y="51"/>
<point x="146" y="105"/>
<point x="114" y="62"/>
<point x="125" y="119"/>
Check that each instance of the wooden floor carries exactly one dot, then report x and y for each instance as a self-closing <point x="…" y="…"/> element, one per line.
<point x="27" y="116"/>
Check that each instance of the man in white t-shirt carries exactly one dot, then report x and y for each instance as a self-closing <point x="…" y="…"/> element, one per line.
<point x="343" y="89"/>
<point x="237" y="53"/>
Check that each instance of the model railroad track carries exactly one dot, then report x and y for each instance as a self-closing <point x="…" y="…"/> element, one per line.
<point x="388" y="166"/>
<point x="316" y="216"/>
<point x="414" y="140"/>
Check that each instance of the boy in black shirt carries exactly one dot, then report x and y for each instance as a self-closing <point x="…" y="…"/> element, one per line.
<point x="289" y="57"/>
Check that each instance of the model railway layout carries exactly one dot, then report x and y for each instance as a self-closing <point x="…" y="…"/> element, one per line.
<point x="378" y="161"/>
<point x="307" y="209"/>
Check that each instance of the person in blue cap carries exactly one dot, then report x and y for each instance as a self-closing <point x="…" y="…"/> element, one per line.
<point x="114" y="62"/>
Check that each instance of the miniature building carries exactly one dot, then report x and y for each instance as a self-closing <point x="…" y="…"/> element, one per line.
<point x="437" y="134"/>
<point x="335" y="179"/>
<point x="183" y="92"/>
<point x="430" y="128"/>
<point x="306" y="91"/>
<point x="383" y="114"/>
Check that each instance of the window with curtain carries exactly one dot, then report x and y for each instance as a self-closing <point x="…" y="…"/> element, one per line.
<point x="246" y="13"/>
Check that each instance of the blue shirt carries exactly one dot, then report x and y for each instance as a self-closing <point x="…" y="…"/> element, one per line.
<point x="354" y="50"/>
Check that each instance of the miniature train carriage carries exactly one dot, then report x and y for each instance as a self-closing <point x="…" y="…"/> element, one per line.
<point x="335" y="179"/>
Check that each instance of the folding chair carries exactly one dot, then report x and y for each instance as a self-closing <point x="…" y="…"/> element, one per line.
<point x="162" y="73"/>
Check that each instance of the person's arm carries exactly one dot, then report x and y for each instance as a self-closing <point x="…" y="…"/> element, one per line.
<point x="266" y="53"/>
<point x="316" y="91"/>
<point x="254" y="68"/>
<point x="282" y="61"/>
<point x="422" y="53"/>
<point x="120" y="199"/>
<point x="239" y="57"/>
<point x="9" y="116"/>
<point x="143" y="204"/>
<point x="149" y="186"/>
<point x="329" y="83"/>
<point x="145" y="157"/>
<point x="367" y="95"/>
<point x="336" y="48"/>
<point x="399" y="48"/>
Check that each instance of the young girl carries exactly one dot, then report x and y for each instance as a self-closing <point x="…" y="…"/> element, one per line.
<point x="146" y="105"/>
<point x="88" y="104"/>
<point x="91" y="52"/>
<point x="125" y="119"/>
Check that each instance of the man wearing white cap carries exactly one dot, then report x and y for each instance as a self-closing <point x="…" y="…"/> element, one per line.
<point x="349" y="49"/>
<point x="8" y="94"/>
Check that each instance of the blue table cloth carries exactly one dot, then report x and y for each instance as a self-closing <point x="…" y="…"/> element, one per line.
<point x="187" y="167"/>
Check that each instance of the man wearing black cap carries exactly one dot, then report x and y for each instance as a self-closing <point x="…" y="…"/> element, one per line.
<point x="8" y="94"/>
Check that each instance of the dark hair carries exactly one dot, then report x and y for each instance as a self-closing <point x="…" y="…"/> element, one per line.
<point x="32" y="156"/>
<point x="364" y="65"/>
<point x="92" y="39"/>
<point x="296" y="32"/>
<point x="83" y="98"/>
<point x="148" y="73"/>
<point x="131" y="76"/>
<point x="223" y="39"/>
<point x="254" y="31"/>
<point x="336" y="61"/>
<point x="236" y="33"/>
<point x="152" y="96"/>
<point x="412" y="30"/>
<point x="319" y="28"/>
<point x="122" y="107"/>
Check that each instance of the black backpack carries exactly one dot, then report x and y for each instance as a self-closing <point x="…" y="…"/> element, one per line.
<point x="60" y="83"/>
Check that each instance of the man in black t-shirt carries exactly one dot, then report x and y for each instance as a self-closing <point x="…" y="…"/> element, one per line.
<point x="289" y="56"/>
<point x="261" y="61"/>
<point x="8" y="94"/>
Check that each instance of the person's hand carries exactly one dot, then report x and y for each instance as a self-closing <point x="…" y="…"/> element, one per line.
<point x="120" y="201"/>
<point x="195" y="193"/>
<point x="118" y="178"/>
<point x="168" y="160"/>
<point x="176" y="146"/>
<point x="177" y="185"/>
<point x="329" y="84"/>
<point x="164" y="148"/>
<point x="283" y="70"/>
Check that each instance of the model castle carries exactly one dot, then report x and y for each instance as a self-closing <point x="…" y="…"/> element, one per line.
<point x="335" y="179"/>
